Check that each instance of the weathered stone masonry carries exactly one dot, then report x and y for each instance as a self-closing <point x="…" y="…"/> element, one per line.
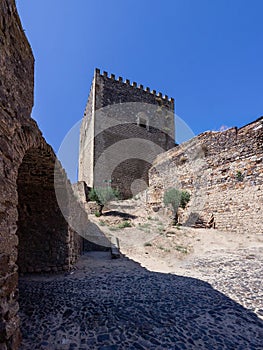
<point x="34" y="236"/>
<point x="224" y="173"/>
<point x="125" y="103"/>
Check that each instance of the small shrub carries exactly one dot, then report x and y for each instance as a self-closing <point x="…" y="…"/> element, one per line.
<point x="121" y="225"/>
<point x="144" y="229"/>
<point x="103" y="195"/>
<point x="102" y="223"/>
<point x="97" y="214"/>
<point x="145" y="225"/>
<point x="176" y="199"/>
<point x="239" y="176"/>
<point x="181" y="249"/>
<point x="185" y="198"/>
<point x="124" y="224"/>
<point x="147" y="244"/>
<point x="172" y="197"/>
<point x="160" y="229"/>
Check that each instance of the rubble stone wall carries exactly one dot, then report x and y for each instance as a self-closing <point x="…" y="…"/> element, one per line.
<point x="34" y="235"/>
<point x="223" y="171"/>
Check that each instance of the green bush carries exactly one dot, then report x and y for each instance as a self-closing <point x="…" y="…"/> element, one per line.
<point x="121" y="225"/>
<point x="176" y="199"/>
<point x="103" y="195"/>
<point x="185" y="198"/>
<point x="144" y="225"/>
<point x="124" y="224"/>
<point x="181" y="249"/>
<point x="160" y="229"/>
<point x="239" y="176"/>
<point x="172" y="197"/>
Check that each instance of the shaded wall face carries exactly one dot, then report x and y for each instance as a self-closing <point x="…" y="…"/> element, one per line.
<point x="42" y="230"/>
<point x="16" y="101"/>
<point x="130" y="177"/>
<point x="123" y="155"/>
<point x="28" y="206"/>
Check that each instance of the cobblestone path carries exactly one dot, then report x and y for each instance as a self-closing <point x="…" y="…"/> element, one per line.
<point x="120" y="305"/>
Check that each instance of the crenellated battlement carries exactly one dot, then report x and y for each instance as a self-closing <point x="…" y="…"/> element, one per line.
<point x="133" y="84"/>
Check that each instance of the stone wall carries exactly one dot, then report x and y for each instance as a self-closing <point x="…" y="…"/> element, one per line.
<point x="16" y="64"/>
<point x="46" y="241"/>
<point x="110" y="90"/>
<point x="34" y="235"/>
<point x="81" y="191"/>
<point x="86" y="147"/>
<point x="223" y="171"/>
<point x="118" y="118"/>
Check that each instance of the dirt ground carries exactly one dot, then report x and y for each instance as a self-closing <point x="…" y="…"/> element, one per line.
<point x="151" y="240"/>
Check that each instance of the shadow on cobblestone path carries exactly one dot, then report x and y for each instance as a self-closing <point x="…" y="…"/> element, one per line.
<point x="120" y="305"/>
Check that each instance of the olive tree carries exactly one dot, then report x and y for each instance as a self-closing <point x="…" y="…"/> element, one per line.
<point x="176" y="198"/>
<point x="103" y="195"/>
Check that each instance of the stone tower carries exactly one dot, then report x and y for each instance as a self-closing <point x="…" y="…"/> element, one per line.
<point x="125" y="126"/>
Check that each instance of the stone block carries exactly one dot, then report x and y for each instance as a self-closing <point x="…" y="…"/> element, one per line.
<point x="4" y="263"/>
<point x="8" y="284"/>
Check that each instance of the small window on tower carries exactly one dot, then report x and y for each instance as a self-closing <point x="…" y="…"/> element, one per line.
<point x="143" y="120"/>
<point x="142" y="123"/>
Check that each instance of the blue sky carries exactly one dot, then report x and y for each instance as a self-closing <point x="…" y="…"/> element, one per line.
<point x="206" y="54"/>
